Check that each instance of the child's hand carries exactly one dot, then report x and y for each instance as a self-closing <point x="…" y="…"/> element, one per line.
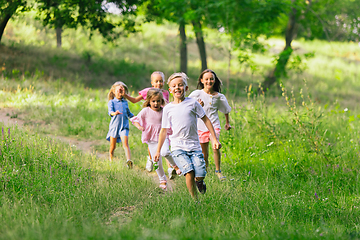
<point x="216" y="144"/>
<point x="227" y="126"/>
<point x="201" y="102"/>
<point x="156" y="157"/>
<point x="141" y="128"/>
<point x="122" y="89"/>
<point x="118" y="112"/>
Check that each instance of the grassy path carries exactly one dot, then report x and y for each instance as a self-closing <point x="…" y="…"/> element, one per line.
<point x="9" y="118"/>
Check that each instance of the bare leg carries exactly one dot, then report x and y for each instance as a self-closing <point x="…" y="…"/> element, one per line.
<point x="217" y="158"/>
<point x="205" y="151"/>
<point x="149" y="153"/>
<point x="112" y="148"/>
<point x="190" y="184"/>
<point x="125" y="143"/>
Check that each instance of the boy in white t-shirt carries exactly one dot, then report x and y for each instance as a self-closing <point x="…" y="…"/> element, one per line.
<point x="181" y="116"/>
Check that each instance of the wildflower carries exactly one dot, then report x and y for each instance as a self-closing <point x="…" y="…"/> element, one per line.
<point x="270" y="144"/>
<point x="316" y="196"/>
<point x="346" y="109"/>
<point x="249" y="172"/>
<point x="9" y="132"/>
<point x="224" y="154"/>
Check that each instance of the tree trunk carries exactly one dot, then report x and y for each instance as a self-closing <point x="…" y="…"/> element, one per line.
<point x="284" y="56"/>
<point x="3" y="23"/>
<point x="58" y="36"/>
<point x="201" y="44"/>
<point x="183" y="48"/>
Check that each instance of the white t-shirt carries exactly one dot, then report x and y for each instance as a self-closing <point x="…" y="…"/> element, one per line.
<point x="182" y="118"/>
<point x="212" y="104"/>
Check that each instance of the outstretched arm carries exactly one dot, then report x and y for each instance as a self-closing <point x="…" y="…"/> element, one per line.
<point x="227" y="124"/>
<point x="136" y="124"/>
<point x="115" y="113"/>
<point x="215" y="143"/>
<point x="162" y="137"/>
<point x="133" y="99"/>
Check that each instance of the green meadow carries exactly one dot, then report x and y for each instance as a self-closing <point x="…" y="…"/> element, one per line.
<point x="291" y="158"/>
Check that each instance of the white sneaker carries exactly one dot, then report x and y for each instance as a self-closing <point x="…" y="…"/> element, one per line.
<point x="172" y="173"/>
<point x="149" y="164"/>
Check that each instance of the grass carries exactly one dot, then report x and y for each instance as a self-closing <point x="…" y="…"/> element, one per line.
<point x="291" y="161"/>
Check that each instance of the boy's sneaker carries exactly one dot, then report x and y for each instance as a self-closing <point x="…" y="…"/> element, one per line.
<point x="219" y="175"/>
<point x="149" y="164"/>
<point x="172" y="173"/>
<point x="201" y="186"/>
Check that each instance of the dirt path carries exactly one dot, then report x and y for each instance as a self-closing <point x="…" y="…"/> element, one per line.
<point x="84" y="146"/>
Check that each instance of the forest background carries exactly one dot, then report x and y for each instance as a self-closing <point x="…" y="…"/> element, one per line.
<point x="291" y="74"/>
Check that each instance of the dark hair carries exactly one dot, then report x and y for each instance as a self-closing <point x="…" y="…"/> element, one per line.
<point x="151" y="93"/>
<point x="217" y="84"/>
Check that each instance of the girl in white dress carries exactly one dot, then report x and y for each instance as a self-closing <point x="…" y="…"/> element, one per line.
<point x="212" y="100"/>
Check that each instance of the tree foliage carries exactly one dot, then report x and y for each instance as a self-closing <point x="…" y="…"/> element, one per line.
<point x="9" y="8"/>
<point x="87" y="13"/>
<point x="72" y="13"/>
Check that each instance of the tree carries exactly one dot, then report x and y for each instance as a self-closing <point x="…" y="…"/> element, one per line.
<point x="9" y="8"/>
<point x="246" y="20"/>
<point x="183" y="47"/>
<point x="197" y="15"/>
<point x="72" y="13"/>
<point x="312" y="19"/>
<point x="182" y="12"/>
<point x="173" y="11"/>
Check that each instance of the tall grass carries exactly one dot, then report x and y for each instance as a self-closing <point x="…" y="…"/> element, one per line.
<point x="51" y="191"/>
<point x="291" y="159"/>
<point x="292" y="173"/>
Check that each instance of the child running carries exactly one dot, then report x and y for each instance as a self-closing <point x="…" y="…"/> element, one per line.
<point x="180" y="115"/>
<point x="149" y="122"/>
<point x="212" y="101"/>
<point x="157" y="81"/>
<point x="119" y="112"/>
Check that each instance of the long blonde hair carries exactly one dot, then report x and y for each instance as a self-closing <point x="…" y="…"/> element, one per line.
<point x="111" y="93"/>
<point x="152" y="93"/>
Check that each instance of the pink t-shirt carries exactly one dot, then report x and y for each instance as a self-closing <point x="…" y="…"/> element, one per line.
<point x="144" y="92"/>
<point x="150" y="120"/>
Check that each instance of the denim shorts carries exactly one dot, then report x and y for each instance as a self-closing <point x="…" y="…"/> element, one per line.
<point x="190" y="161"/>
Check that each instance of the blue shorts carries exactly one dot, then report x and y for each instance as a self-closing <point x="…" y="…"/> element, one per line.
<point x="190" y="161"/>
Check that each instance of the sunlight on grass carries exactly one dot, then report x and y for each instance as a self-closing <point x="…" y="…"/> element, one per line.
<point x="291" y="158"/>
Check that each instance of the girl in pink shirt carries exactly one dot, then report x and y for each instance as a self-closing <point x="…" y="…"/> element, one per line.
<point x="149" y="122"/>
<point x="157" y="81"/>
